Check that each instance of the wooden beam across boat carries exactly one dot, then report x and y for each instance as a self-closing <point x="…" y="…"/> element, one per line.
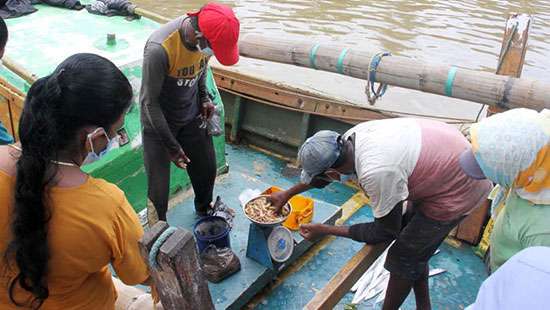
<point x="482" y="87"/>
<point x="340" y="284"/>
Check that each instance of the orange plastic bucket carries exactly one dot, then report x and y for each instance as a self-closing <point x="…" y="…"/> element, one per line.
<point x="302" y="209"/>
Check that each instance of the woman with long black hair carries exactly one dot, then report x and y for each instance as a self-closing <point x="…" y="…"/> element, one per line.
<point x="59" y="227"/>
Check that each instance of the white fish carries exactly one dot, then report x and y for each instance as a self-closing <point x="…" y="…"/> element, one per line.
<point x="366" y="277"/>
<point x="381" y="296"/>
<point x="433" y="272"/>
<point x="369" y="281"/>
<point x="363" y="284"/>
<point x="380" y="284"/>
<point x="436" y="271"/>
<point x="436" y="252"/>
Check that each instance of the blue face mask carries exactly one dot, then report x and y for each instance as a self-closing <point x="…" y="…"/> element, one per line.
<point x="93" y="156"/>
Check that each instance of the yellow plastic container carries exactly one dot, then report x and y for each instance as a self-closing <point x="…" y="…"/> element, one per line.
<point x="302" y="209"/>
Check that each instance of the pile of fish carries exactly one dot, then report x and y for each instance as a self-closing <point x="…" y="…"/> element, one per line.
<point x="375" y="281"/>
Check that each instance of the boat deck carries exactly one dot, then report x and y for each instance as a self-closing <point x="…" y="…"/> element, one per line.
<point x="251" y="169"/>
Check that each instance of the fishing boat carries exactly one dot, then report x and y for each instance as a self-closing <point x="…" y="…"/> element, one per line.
<point x="265" y="123"/>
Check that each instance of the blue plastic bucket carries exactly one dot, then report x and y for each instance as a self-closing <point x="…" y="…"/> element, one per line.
<point x="212" y="230"/>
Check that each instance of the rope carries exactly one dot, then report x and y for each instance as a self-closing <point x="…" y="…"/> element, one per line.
<point x="374" y="94"/>
<point x="450" y="80"/>
<point x="340" y="63"/>
<point x="156" y="246"/>
<point x="313" y="56"/>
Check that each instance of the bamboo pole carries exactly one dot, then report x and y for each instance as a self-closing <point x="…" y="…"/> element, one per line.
<point x="20" y="71"/>
<point x="482" y="87"/>
<point x="151" y="15"/>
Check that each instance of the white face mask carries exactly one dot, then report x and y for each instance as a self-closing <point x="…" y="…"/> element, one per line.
<point x="93" y="156"/>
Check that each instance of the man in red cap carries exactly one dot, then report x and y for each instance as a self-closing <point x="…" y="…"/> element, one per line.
<point x="175" y="101"/>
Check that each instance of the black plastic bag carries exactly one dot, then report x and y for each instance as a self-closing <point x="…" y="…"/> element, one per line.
<point x="218" y="263"/>
<point x="222" y="210"/>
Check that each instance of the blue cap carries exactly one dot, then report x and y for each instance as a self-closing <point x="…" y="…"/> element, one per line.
<point x="469" y="165"/>
<point x="318" y="153"/>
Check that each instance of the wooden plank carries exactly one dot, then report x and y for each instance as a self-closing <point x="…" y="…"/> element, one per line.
<point x="514" y="45"/>
<point x="11" y="107"/>
<point x="477" y="86"/>
<point x="511" y="59"/>
<point x="178" y="278"/>
<point x="343" y="281"/>
<point x="471" y="228"/>
<point x="5" y="115"/>
<point x="514" y="48"/>
<point x="295" y="99"/>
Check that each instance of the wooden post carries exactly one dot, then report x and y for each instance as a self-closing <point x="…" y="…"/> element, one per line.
<point x="514" y="47"/>
<point x="343" y="281"/>
<point x="477" y="86"/>
<point x="179" y="280"/>
<point x="510" y="63"/>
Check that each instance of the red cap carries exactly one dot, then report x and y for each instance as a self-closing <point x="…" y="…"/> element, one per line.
<point x="220" y="27"/>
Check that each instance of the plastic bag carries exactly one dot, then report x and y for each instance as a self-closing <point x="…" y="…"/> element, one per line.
<point x="247" y="195"/>
<point x="218" y="263"/>
<point x="214" y="125"/>
<point x="222" y="210"/>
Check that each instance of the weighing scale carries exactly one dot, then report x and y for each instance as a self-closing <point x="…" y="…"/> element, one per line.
<point x="270" y="246"/>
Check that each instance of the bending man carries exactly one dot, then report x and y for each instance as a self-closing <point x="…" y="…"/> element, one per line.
<point x="394" y="161"/>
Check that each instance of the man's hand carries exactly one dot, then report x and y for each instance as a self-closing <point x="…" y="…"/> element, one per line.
<point x="180" y="159"/>
<point x="313" y="232"/>
<point x="278" y="200"/>
<point x="208" y="110"/>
